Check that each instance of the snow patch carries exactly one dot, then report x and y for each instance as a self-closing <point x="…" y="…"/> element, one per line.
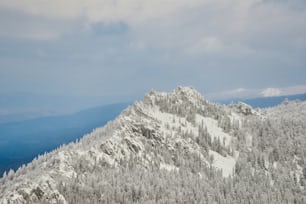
<point x="226" y="164"/>
<point x="236" y="119"/>
<point x="168" y="167"/>
<point x="249" y="141"/>
<point x="213" y="129"/>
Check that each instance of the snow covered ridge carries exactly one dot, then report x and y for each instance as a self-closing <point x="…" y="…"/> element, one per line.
<point x="168" y="133"/>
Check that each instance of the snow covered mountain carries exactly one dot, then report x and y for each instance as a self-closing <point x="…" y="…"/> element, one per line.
<point x="175" y="148"/>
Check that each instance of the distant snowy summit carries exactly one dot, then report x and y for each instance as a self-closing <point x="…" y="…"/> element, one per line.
<point x="174" y="147"/>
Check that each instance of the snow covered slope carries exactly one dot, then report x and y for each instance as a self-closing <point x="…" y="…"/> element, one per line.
<point x="165" y="131"/>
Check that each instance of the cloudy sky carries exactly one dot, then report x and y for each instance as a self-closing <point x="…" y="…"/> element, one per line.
<point x="223" y="48"/>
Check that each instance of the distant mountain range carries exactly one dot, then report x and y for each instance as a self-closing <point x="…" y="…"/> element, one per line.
<point x="265" y="102"/>
<point x="21" y="141"/>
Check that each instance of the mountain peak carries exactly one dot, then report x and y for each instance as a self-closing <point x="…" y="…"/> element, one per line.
<point x="182" y="94"/>
<point x="187" y="90"/>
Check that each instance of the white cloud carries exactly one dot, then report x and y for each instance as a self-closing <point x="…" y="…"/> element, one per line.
<point x="235" y="93"/>
<point x="100" y="10"/>
<point x="268" y="92"/>
<point x="207" y="44"/>
<point x="16" y="24"/>
<point x="137" y="45"/>
<point x="291" y="90"/>
<point x="254" y="93"/>
<point x="134" y="13"/>
<point x="204" y="25"/>
<point x="294" y="90"/>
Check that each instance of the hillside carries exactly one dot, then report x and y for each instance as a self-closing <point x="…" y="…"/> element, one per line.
<point x="175" y="147"/>
<point x="21" y="141"/>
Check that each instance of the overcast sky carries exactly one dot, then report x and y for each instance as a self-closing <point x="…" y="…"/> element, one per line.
<point x="128" y="47"/>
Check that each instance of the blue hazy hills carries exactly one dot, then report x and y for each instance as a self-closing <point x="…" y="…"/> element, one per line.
<point x="21" y="141"/>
